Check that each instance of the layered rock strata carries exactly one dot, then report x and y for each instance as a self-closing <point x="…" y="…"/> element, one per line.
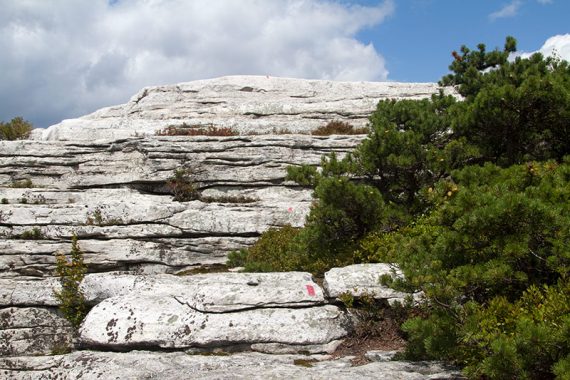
<point x="114" y="197"/>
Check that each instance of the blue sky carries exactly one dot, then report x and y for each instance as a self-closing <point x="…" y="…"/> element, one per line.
<point x="67" y="58"/>
<point x="417" y="39"/>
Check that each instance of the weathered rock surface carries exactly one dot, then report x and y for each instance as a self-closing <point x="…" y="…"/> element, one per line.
<point x="249" y="104"/>
<point x="33" y="331"/>
<point x="212" y="293"/>
<point x="145" y="365"/>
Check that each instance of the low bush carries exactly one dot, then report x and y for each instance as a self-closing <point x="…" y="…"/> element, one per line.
<point x="187" y="130"/>
<point x="337" y="127"/>
<point x="470" y="197"/>
<point x="15" y="129"/>
<point x="492" y="258"/>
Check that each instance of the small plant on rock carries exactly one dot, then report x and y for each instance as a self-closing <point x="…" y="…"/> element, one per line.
<point x="182" y="186"/>
<point x="71" y="299"/>
<point x="96" y="218"/>
<point x="23" y="184"/>
<point x="33" y="234"/>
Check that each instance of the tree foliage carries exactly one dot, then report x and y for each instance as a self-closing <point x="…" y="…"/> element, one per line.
<point x="470" y="196"/>
<point x="489" y="246"/>
<point x="15" y="129"/>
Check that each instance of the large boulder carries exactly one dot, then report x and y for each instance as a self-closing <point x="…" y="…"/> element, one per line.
<point x="263" y="311"/>
<point x="147" y="320"/>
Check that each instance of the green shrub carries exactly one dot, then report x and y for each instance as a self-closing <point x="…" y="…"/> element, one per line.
<point x="344" y="213"/>
<point x="71" y="299"/>
<point x="15" y="129"/>
<point x="237" y="258"/>
<point x="524" y="339"/>
<point x="471" y="198"/>
<point x="490" y="255"/>
<point x="305" y="175"/>
<point x="275" y="251"/>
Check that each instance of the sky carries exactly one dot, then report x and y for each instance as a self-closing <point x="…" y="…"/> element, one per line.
<point x="62" y="59"/>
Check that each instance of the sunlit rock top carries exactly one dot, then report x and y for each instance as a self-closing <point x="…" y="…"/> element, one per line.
<point x="248" y="104"/>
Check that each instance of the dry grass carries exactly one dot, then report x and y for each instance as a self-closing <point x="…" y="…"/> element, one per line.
<point x="187" y="130"/>
<point x="337" y="127"/>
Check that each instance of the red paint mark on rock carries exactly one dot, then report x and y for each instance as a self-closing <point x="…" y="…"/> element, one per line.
<point x="310" y="290"/>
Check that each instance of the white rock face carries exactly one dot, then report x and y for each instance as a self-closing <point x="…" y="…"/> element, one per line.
<point x="213" y="292"/>
<point x="248" y="104"/>
<point x="147" y="320"/>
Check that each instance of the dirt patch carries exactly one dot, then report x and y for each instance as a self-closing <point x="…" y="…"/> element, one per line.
<point x="383" y="334"/>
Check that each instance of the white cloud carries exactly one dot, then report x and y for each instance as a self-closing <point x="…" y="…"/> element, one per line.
<point x="509" y="10"/>
<point x="558" y="46"/>
<point x="70" y="57"/>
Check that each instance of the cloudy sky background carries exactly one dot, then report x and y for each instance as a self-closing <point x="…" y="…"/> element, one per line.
<point x="65" y="58"/>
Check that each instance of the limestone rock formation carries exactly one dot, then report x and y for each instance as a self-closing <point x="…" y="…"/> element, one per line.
<point x="107" y="178"/>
